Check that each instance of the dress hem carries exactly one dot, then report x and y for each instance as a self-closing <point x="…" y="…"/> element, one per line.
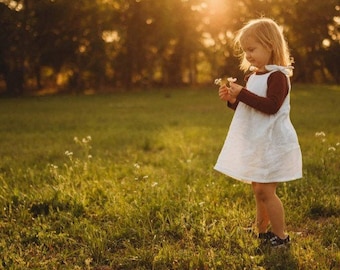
<point x="249" y="181"/>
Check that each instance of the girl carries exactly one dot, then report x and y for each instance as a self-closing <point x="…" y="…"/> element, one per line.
<point x="262" y="147"/>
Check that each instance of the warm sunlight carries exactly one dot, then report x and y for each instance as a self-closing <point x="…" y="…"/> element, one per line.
<point x="17" y="6"/>
<point x="116" y="44"/>
<point x="216" y="5"/>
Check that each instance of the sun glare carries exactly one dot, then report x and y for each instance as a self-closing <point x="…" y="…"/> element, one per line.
<point x="17" y="6"/>
<point x="110" y="36"/>
<point x="216" y="5"/>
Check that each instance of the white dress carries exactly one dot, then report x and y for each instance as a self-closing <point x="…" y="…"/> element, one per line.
<point x="260" y="147"/>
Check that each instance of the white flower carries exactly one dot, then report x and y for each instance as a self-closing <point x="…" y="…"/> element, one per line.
<point x="331" y="148"/>
<point x="218" y="81"/>
<point x="320" y="134"/>
<point x="52" y="166"/>
<point x="231" y="79"/>
<point x="68" y="153"/>
<point x="136" y="165"/>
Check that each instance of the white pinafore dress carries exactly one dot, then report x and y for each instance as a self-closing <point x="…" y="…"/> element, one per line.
<point x="259" y="147"/>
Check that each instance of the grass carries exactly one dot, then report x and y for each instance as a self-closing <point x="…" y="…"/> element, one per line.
<point x="125" y="181"/>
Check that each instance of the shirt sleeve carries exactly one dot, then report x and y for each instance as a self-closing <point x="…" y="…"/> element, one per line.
<point x="233" y="106"/>
<point x="276" y="93"/>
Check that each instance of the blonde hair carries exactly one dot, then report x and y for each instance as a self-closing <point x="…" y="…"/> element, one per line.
<point x="270" y="35"/>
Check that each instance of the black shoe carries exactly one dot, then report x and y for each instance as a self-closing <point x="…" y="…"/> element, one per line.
<point x="265" y="237"/>
<point x="277" y="242"/>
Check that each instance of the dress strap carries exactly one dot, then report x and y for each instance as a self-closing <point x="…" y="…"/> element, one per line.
<point x="286" y="70"/>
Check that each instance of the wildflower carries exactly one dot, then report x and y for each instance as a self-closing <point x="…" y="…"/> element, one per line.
<point x="320" y="134"/>
<point x="136" y="165"/>
<point x="231" y="79"/>
<point x="68" y="153"/>
<point x="218" y="82"/>
<point x="54" y="167"/>
<point x="154" y="184"/>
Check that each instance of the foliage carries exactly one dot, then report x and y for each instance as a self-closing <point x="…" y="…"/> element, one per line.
<point x="92" y="45"/>
<point x="125" y="181"/>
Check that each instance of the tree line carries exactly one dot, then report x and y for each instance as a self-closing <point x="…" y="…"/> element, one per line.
<point x="109" y="44"/>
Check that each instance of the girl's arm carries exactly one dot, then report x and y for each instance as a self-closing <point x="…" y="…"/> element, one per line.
<point x="276" y="93"/>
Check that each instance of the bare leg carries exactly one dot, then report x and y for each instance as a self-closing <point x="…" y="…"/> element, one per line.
<point x="262" y="218"/>
<point x="269" y="206"/>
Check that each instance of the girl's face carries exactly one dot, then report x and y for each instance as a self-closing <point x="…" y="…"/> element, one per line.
<point x="256" y="54"/>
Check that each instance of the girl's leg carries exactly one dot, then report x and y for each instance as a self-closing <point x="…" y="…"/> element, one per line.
<point x="267" y="199"/>
<point x="262" y="218"/>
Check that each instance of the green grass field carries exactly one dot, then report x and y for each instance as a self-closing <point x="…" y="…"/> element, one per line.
<point x="126" y="181"/>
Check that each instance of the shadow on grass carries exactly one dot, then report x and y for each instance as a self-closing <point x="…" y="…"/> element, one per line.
<point x="280" y="259"/>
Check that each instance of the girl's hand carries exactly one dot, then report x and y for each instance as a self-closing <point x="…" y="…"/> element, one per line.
<point x="234" y="90"/>
<point x="224" y="94"/>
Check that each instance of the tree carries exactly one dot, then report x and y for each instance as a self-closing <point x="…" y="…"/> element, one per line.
<point x="309" y="25"/>
<point x="12" y="50"/>
<point x="90" y="44"/>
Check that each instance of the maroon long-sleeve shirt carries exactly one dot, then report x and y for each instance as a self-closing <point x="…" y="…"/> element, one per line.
<point x="276" y="93"/>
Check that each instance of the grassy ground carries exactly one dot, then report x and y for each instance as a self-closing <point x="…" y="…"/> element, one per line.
<point x="125" y="181"/>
